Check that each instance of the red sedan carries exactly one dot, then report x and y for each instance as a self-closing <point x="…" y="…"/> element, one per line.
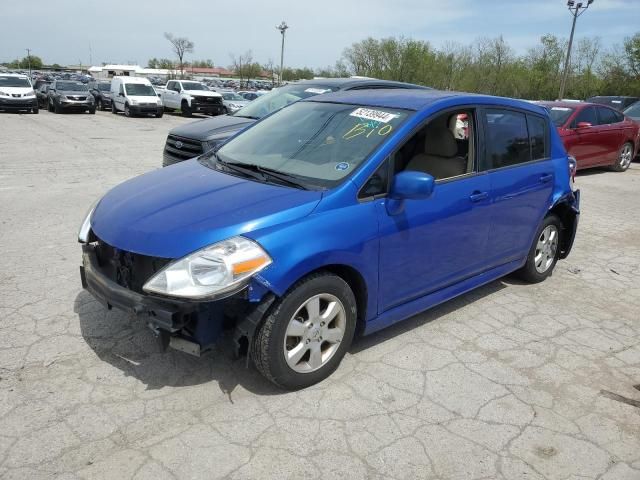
<point x="596" y="135"/>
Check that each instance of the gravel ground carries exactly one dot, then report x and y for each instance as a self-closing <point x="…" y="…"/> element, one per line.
<point x="508" y="382"/>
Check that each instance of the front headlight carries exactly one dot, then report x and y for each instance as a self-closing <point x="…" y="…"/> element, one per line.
<point x="220" y="269"/>
<point x="4" y="94"/>
<point x="85" y="228"/>
<point x="133" y="102"/>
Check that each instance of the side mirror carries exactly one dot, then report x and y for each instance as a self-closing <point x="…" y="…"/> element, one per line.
<point x="121" y="94"/>
<point x="584" y="125"/>
<point x="412" y="185"/>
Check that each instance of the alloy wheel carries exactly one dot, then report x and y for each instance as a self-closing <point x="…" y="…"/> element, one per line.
<point x="626" y="156"/>
<point x="546" y="248"/>
<point x="314" y="333"/>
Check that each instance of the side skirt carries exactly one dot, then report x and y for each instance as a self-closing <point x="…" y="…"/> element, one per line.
<point x="421" y="304"/>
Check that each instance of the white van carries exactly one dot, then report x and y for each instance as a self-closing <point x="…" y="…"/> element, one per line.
<point x="135" y="96"/>
<point x="16" y="93"/>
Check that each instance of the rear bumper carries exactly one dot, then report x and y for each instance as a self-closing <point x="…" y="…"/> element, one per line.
<point x="18" y="103"/>
<point x="571" y="230"/>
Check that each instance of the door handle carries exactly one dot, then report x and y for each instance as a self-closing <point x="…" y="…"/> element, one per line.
<point x="478" y="196"/>
<point x="547" y="177"/>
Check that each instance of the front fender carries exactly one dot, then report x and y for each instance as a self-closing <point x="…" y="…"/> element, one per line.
<point x="347" y="236"/>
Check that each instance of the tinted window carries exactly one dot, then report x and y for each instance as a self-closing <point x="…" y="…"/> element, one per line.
<point x="507" y="139"/>
<point x="606" y="116"/>
<point x="559" y="115"/>
<point x="586" y="115"/>
<point x="633" y="111"/>
<point x="537" y="137"/>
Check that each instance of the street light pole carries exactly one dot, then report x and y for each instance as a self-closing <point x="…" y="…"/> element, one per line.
<point x="576" y="10"/>
<point x="283" y="28"/>
<point x="29" y="58"/>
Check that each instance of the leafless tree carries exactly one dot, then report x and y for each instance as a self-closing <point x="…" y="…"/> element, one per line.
<point x="241" y="64"/>
<point x="180" y="46"/>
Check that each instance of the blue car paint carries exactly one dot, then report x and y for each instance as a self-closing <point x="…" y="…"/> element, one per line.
<point x="431" y="251"/>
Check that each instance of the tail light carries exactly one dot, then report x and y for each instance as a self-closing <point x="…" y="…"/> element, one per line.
<point x="573" y="167"/>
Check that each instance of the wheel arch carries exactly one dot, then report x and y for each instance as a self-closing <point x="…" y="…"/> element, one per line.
<point x="565" y="209"/>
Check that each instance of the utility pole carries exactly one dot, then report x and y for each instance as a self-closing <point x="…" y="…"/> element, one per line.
<point x="283" y="28"/>
<point x="576" y="10"/>
<point x="29" y="58"/>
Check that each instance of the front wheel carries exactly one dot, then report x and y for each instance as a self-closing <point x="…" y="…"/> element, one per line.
<point x="307" y="332"/>
<point x="35" y="110"/>
<point x="543" y="254"/>
<point x="186" y="110"/>
<point x="624" y="158"/>
<point x="127" y="110"/>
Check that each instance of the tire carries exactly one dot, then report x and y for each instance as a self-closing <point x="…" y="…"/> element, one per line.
<point x="35" y="111"/>
<point x="159" y="115"/>
<point x="186" y="110"/>
<point x="57" y="108"/>
<point x="100" y="105"/>
<point x="625" y="157"/>
<point x="92" y="111"/>
<point x="50" y="105"/>
<point x="543" y="255"/>
<point x="127" y="111"/>
<point x="113" y="108"/>
<point x="269" y="350"/>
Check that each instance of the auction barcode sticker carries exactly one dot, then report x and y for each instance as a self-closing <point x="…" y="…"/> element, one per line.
<point x="370" y="114"/>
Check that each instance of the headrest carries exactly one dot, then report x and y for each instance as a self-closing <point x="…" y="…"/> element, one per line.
<point x="439" y="141"/>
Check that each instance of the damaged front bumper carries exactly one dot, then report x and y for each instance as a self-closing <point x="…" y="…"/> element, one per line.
<point x="189" y="326"/>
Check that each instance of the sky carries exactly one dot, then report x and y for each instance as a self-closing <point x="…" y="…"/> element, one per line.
<point x="131" y="31"/>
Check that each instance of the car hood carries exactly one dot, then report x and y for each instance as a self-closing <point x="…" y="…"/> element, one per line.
<point x="144" y="98"/>
<point x="72" y="92"/>
<point x="174" y="211"/>
<point x="219" y="127"/>
<point x="24" y="91"/>
<point x="202" y="93"/>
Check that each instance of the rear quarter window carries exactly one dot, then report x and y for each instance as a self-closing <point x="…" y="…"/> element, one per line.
<point x="506" y="138"/>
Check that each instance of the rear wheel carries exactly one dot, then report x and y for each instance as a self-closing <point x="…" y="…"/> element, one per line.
<point x="543" y="254"/>
<point x="624" y="158"/>
<point x="307" y="332"/>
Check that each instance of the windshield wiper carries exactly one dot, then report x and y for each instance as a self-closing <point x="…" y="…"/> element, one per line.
<point x="247" y="116"/>
<point x="282" y="177"/>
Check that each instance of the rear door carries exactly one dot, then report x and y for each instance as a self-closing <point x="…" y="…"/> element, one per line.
<point x="610" y="134"/>
<point x="521" y="175"/>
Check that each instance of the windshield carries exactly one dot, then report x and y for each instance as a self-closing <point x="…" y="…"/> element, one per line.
<point x="72" y="86"/>
<point x="633" y="111"/>
<point x="193" y="86"/>
<point x="281" y="97"/>
<point x="232" y="96"/>
<point x="319" y="143"/>
<point x="140" y="90"/>
<point x="560" y="115"/>
<point x="14" y="82"/>
<point x="104" y="87"/>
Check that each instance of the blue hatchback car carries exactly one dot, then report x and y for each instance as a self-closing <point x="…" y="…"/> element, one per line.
<point x="341" y="213"/>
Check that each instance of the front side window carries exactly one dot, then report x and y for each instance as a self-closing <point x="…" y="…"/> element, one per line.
<point x="319" y="143"/>
<point x="506" y="139"/>
<point x="587" y="115"/>
<point x="140" y="90"/>
<point x="193" y="86"/>
<point x="104" y="86"/>
<point x="444" y="148"/>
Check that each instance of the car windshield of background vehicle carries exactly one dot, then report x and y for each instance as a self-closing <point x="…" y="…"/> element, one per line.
<point x="633" y="111"/>
<point x="318" y="143"/>
<point x="559" y="115"/>
<point x="193" y="86"/>
<point x="232" y="96"/>
<point x="14" y="82"/>
<point x="72" y="87"/>
<point x="281" y="97"/>
<point x="104" y="87"/>
<point x="140" y="90"/>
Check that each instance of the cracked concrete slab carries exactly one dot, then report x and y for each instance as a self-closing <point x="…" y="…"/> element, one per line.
<point x="505" y="382"/>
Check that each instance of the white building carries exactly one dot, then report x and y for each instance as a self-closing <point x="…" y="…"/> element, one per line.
<point x="110" y="71"/>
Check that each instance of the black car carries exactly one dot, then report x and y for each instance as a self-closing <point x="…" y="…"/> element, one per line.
<point x="68" y="95"/>
<point x="42" y="93"/>
<point x="193" y="139"/>
<point x="101" y="91"/>
<point x="617" y="102"/>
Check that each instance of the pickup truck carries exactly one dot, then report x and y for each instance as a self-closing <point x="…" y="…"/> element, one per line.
<point x="191" y="97"/>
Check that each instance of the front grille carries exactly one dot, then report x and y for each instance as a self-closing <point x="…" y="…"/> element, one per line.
<point x="129" y="270"/>
<point x="76" y="97"/>
<point x="181" y="148"/>
<point x="208" y="100"/>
